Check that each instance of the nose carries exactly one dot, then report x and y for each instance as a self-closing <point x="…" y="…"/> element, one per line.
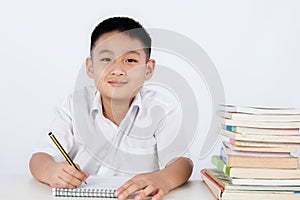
<point x="117" y="69"/>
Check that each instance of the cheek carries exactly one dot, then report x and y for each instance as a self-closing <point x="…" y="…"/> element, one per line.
<point x="99" y="78"/>
<point x="100" y="72"/>
<point x="137" y="73"/>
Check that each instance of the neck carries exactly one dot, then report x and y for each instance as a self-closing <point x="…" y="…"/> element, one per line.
<point x="115" y="110"/>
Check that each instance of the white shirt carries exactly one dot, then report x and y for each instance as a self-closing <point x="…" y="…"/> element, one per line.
<point x="147" y="139"/>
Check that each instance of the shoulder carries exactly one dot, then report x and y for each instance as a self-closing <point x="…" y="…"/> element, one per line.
<point x="158" y="94"/>
<point x="87" y="92"/>
<point x="159" y="99"/>
<point x="83" y="98"/>
<point x="85" y="95"/>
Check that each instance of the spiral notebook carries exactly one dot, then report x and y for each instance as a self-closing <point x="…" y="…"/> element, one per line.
<point x="97" y="187"/>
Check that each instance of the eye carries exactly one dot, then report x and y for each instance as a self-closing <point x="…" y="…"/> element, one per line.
<point x="105" y="59"/>
<point x="130" y="60"/>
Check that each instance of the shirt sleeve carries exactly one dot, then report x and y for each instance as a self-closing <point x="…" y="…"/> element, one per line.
<point x="171" y="138"/>
<point x="61" y="127"/>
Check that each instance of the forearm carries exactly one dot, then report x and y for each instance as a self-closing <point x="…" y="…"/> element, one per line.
<point x="177" y="172"/>
<point x="39" y="166"/>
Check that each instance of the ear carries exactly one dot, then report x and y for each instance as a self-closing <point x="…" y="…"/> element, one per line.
<point x="150" y="66"/>
<point x="89" y="67"/>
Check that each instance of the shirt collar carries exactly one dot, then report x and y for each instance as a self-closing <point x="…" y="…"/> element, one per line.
<point x="97" y="104"/>
<point x="137" y="102"/>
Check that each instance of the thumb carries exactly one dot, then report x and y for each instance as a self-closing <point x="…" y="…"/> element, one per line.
<point x="86" y="174"/>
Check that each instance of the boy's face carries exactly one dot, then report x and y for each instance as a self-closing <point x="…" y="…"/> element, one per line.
<point x="118" y="66"/>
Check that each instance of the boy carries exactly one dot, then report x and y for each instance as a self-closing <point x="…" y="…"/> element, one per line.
<point x="100" y="127"/>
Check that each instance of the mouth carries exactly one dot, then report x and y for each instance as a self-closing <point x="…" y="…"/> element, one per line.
<point x="117" y="83"/>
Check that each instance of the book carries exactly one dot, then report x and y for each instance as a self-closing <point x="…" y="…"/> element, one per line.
<point x="259" y="117"/>
<point x="259" y="110"/>
<point x="262" y="124"/>
<point x="97" y="187"/>
<point x="293" y="183"/>
<point x="221" y="187"/>
<point x="259" y="147"/>
<point x="293" y="146"/>
<point x="255" y="173"/>
<point x="262" y="131"/>
<point x="215" y="188"/>
<point x="229" y="151"/>
<point x="260" y="138"/>
<point x="265" y="195"/>
<point x="229" y="183"/>
<point x="259" y="162"/>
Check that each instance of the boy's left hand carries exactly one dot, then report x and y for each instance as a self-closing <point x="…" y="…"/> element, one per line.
<point x="147" y="184"/>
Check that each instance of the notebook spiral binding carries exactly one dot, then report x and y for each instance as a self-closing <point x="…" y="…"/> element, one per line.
<point x="84" y="192"/>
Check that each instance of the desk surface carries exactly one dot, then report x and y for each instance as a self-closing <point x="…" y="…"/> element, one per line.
<point x="24" y="187"/>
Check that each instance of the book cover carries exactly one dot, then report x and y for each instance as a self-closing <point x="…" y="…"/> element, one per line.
<point x="255" y="173"/>
<point x="259" y="110"/>
<point x="260" y="138"/>
<point x="221" y="187"/>
<point x="226" y="147"/>
<point x="259" y="147"/>
<point x="262" y="131"/>
<point x="261" y="124"/>
<point x="259" y="117"/>
<point x="215" y="188"/>
<point x="294" y="146"/>
<point x="264" y="195"/>
<point x="288" y="184"/>
<point x="229" y="183"/>
<point x="259" y="162"/>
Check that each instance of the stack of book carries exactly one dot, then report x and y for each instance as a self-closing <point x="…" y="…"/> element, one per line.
<point x="258" y="158"/>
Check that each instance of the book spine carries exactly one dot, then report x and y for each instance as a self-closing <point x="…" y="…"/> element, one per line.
<point x="210" y="190"/>
<point x="213" y="186"/>
<point x="220" y="165"/>
<point x="231" y="141"/>
<point x="260" y="124"/>
<point x="211" y="179"/>
<point x="230" y="128"/>
<point x="224" y="157"/>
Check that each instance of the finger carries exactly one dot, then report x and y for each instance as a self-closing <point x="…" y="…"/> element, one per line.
<point x="76" y="173"/>
<point x="70" y="177"/>
<point x="159" y="195"/>
<point x="60" y="183"/>
<point x="135" y="186"/>
<point x="86" y="174"/>
<point x="79" y="169"/>
<point x="55" y="185"/>
<point x="145" y="192"/>
<point x="124" y="187"/>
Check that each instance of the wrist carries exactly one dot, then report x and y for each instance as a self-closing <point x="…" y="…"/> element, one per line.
<point x="163" y="176"/>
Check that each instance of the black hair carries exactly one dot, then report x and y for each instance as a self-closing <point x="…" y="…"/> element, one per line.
<point x="126" y="25"/>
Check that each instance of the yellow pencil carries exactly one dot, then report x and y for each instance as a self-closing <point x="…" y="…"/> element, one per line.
<point x="61" y="149"/>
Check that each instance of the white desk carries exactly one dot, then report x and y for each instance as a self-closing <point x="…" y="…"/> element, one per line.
<point x="24" y="187"/>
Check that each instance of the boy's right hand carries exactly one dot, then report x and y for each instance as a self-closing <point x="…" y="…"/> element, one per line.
<point x="63" y="175"/>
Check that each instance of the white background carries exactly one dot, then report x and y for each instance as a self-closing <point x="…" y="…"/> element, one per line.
<point x="254" y="44"/>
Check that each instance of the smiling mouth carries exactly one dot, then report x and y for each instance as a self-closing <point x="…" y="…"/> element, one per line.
<point x="117" y="83"/>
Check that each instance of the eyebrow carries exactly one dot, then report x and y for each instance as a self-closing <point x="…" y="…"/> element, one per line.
<point x="110" y="51"/>
<point x="133" y="51"/>
<point x="105" y="51"/>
